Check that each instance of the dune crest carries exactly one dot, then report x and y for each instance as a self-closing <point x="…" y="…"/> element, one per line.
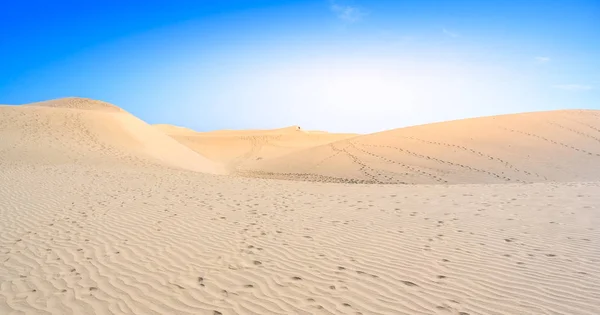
<point x="520" y="148"/>
<point x="174" y="130"/>
<point x="78" y="103"/>
<point x="236" y="148"/>
<point x="80" y="130"/>
<point x="289" y="129"/>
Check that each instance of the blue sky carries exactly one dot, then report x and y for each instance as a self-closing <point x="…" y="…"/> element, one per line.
<point x="337" y="65"/>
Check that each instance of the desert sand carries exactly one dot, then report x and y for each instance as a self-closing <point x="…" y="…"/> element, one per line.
<point x="236" y="149"/>
<point x="101" y="213"/>
<point x="522" y="148"/>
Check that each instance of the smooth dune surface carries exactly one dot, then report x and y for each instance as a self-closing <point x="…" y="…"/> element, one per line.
<point x="101" y="213"/>
<point x="76" y="130"/>
<point x="237" y="148"/>
<point x="521" y="148"/>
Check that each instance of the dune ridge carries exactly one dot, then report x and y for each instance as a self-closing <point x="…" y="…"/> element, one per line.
<point x="78" y="130"/>
<point x="78" y="103"/>
<point x="174" y="130"/>
<point x="529" y="147"/>
<point x="236" y="148"/>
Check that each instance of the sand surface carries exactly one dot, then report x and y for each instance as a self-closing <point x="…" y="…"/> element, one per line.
<point x="521" y="148"/>
<point x="101" y="213"/>
<point x="81" y="131"/>
<point x="236" y="149"/>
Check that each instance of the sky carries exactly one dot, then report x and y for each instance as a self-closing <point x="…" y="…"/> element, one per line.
<point x="336" y="65"/>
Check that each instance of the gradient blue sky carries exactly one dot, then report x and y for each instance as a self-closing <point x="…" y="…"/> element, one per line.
<point x="338" y="65"/>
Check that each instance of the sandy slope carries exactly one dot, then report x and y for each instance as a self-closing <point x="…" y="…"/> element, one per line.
<point x="174" y="130"/>
<point x="103" y="214"/>
<point x="531" y="147"/>
<point x="76" y="239"/>
<point x="237" y="148"/>
<point x="75" y="130"/>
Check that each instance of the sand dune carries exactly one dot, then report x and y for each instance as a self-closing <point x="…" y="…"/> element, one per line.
<point x="237" y="148"/>
<point x="101" y="213"/>
<point x="531" y="147"/>
<point x="174" y="130"/>
<point x="76" y="130"/>
<point x="79" y="103"/>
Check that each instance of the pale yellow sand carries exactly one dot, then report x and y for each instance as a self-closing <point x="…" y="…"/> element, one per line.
<point x="524" y="148"/>
<point x="237" y="148"/>
<point x="93" y="222"/>
<point x="78" y="130"/>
